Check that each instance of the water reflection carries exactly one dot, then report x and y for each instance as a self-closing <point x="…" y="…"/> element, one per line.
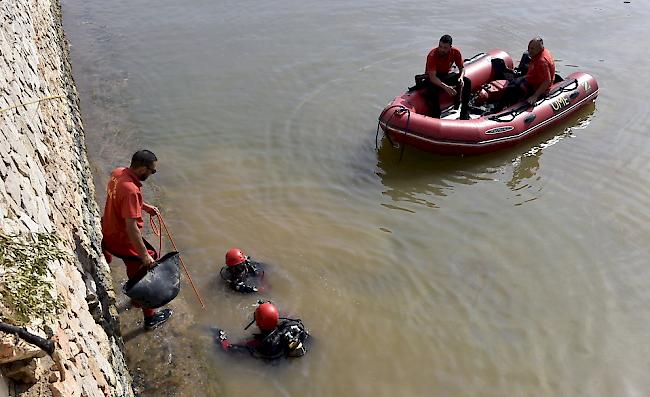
<point x="426" y="179"/>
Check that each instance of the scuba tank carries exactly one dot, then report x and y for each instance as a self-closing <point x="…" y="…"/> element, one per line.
<point x="294" y="334"/>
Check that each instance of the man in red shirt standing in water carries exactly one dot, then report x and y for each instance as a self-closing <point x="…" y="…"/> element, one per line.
<point x="122" y="222"/>
<point x="538" y="79"/>
<point x="438" y="69"/>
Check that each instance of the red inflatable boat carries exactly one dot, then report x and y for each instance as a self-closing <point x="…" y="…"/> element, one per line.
<point x="405" y="119"/>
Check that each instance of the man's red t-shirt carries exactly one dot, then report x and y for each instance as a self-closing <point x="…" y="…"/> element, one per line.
<point x="123" y="201"/>
<point x="442" y="64"/>
<point x="541" y="69"/>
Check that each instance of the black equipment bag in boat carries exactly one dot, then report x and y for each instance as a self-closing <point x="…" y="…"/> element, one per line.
<point x="159" y="285"/>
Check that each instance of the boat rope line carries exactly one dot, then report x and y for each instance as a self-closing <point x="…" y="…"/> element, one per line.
<point x="401" y="109"/>
<point x="406" y="128"/>
<point x="47" y="98"/>
<point x="482" y="143"/>
<point x="387" y="123"/>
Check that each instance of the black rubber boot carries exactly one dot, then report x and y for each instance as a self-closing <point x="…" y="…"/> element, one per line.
<point x="157" y="319"/>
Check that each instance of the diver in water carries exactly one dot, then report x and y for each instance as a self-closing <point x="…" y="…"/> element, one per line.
<point x="278" y="337"/>
<point x="237" y="270"/>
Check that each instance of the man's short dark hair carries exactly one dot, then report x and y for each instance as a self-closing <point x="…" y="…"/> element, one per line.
<point x="446" y="39"/>
<point x="143" y="158"/>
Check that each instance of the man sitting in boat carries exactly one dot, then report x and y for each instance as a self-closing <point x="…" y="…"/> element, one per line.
<point x="238" y="269"/>
<point x="538" y="79"/>
<point x="438" y="69"/>
<point x="278" y="337"/>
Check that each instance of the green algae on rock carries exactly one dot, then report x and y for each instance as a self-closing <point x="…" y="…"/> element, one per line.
<point x="27" y="289"/>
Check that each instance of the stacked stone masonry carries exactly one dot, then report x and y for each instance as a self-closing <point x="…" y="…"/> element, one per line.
<point x="46" y="186"/>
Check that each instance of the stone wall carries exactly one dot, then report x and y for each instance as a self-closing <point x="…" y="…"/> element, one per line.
<point x="46" y="186"/>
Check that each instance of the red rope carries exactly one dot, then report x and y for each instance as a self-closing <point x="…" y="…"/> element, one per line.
<point x="157" y="232"/>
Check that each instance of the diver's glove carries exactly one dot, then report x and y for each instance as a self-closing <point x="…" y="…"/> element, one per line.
<point x="222" y="336"/>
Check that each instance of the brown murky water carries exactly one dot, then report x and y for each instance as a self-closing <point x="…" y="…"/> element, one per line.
<point x="522" y="272"/>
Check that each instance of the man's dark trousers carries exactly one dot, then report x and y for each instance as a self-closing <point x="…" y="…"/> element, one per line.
<point x="433" y="93"/>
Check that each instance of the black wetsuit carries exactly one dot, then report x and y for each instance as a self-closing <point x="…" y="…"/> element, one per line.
<point x="286" y="340"/>
<point x="237" y="276"/>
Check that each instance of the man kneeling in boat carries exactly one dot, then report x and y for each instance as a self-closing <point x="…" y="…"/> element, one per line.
<point x="279" y="337"/>
<point x="538" y="79"/>
<point x="238" y="269"/>
<point x="438" y="69"/>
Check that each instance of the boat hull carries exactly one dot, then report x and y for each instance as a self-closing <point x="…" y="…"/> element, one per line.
<point x="402" y="120"/>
